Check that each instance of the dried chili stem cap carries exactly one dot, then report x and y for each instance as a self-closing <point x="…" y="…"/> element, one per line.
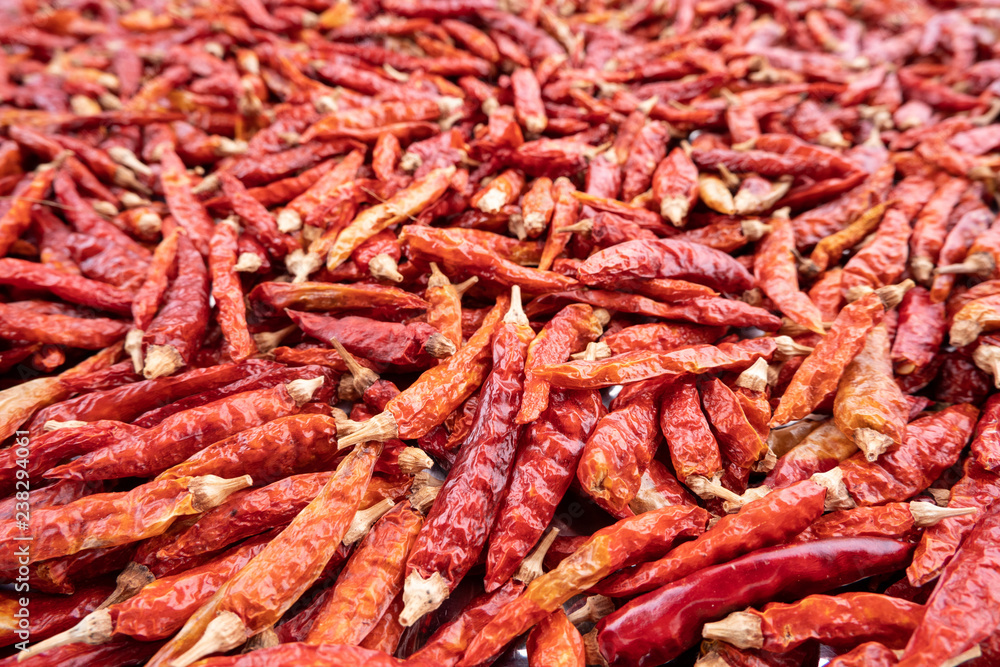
<point x="594" y="609"/>
<point x="412" y="460"/>
<point x="871" y="442"/>
<point x="424" y="478"/>
<point x="421" y="596"/>
<point x="131" y="580"/>
<point x="892" y="295"/>
<point x="289" y="220"/>
<point x="300" y="264"/>
<point x="127" y="158"/>
<point x="788" y="348"/>
<point x="593" y="352"/>
<point x="837" y="495"/>
<point x="268" y="340"/>
<point x="964" y="332"/>
<point x="647" y="498"/>
<point x="381" y="427"/>
<point x="133" y="347"/>
<point x="703" y="487"/>
<point x="755" y="377"/>
<point x="980" y="263"/>
<point x="674" y="209"/>
<point x="224" y="633"/>
<point x="248" y="262"/>
<point x="531" y="567"/>
<point x="583" y="227"/>
<point x="208" y="491"/>
<point x="266" y="638"/>
<point x="928" y="514"/>
<point x="987" y="357"/>
<point x="302" y="391"/>
<point x="384" y="267"/>
<point x="439" y="346"/>
<point x="741" y="629"/>
<point x="515" y="314"/>
<point x="423" y="498"/>
<point x="357" y="380"/>
<point x="464" y="286"/>
<point x="364" y="520"/>
<point x="161" y="360"/>
<point x="94" y="628"/>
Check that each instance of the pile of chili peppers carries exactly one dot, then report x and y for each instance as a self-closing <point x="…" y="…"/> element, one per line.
<point x="469" y="332"/>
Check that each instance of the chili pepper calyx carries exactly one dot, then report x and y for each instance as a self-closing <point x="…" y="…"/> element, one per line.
<point x="439" y="346"/>
<point x="125" y="177"/>
<point x="133" y="347"/>
<point x="52" y="425"/>
<point x="106" y="209"/>
<point x="705" y="488"/>
<point x="892" y="295"/>
<point x="209" y="491"/>
<point x="464" y="286"/>
<point x="381" y="427"/>
<point x="289" y="220"/>
<point x="788" y="348"/>
<point x="837" y="496"/>
<point x="95" y="628"/>
<point x="767" y="463"/>
<point x="247" y="262"/>
<point x="364" y="520"/>
<point x="413" y="460"/>
<point x="209" y="184"/>
<point x="131" y="580"/>
<point x="423" y="498"/>
<point x="421" y="596"/>
<point x="647" y="498"/>
<point x="741" y="629"/>
<point x="594" y="609"/>
<point x="987" y="357"/>
<point x="750" y="495"/>
<point x="515" y="314"/>
<point x="755" y="377"/>
<point x="583" y="227"/>
<point x="593" y="352"/>
<point x="928" y="514"/>
<point x="300" y="264"/>
<point x="711" y="659"/>
<point x="871" y="442"/>
<point x="964" y="332"/>
<point x="790" y="328"/>
<point x="384" y="267"/>
<point x="127" y="158"/>
<point x="674" y="209"/>
<point x="224" y="633"/>
<point x="940" y="496"/>
<point x="423" y="479"/>
<point x="437" y="278"/>
<point x="531" y="567"/>
<point x="266" y="638"/>
<point x="592" y="650"/>
<point x="268" y="340"/>
<point x="980" y="263"/>
<point x="353" y="385"/>
<point x="754" y="229"/>
<point x="161" y="360"/>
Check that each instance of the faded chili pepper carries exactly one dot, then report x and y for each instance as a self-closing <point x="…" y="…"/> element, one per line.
<point x="607" y="550"/>
<point x="764" y="522"/>
<point x="739" y="441"/>
<point x="444" y="310"/>
<point x="830" y="248"/>
<point x="447" y="546"/>
<point x="538" y="205"/>
<point x="564" y="215"/>
<point x="841" y="620"/>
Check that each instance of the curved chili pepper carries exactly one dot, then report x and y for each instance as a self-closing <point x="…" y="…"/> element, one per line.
<point x="680" y="609"/>
<point x="956" y="247"/>
<point x="184" y="206"/>
<point x="663" y="337"/>
<point x="444" y="309"/>
<point x="830" y="248"/>
<point x="693" y="448"/>
<point x="89" y="334"/>
<point x="545" y="466"/>
<point x="52" y="614"/>
<point x="54" y="495"/>
<point x="448" y="545"/>
<point x="931" y="227"/>
<point x="764" y="522"/>
<point x="16" y="219"/>
<point x="607" y="550"/>
<point x="841" y="620"/>
<point x="73" y="288"/>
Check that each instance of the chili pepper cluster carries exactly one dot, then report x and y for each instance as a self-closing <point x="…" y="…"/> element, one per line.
<point x="414" y="333"/>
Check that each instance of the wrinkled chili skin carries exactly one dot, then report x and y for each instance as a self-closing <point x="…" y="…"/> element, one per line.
<point x="920" y="331"/>
<point x="768" y="521"/>
<point x="458" y="524"/>
<point x="53" y="614"/>
<point x="893" y="520"/>
<point x="775" y="271"/>
<point x="986" y="445"/>
<point x="381" y="342"/>
<point x="546" y="463"/>
<point x="660" y="625"/>
<point x="932" y="444"/>
<point x="693" y="448"/>
<point x="555" y="642"/>
<point x="739" y="441"/>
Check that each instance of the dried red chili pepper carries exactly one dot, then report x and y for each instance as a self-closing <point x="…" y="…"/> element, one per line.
<point x="555" y="642"/>
<point x="919" y="333"/>
<point x="900" y="521"/>
<point x="663" y="337"/>
<point x="693" y="448"/>
<point x="931" y="227"/>
<point x="16" y="219"/>
<point x="822" y="449"/>
<point x="447" y="546"/>
<point x="334" y="297"/>
<point x="228" y="292"/>
<point x="189" y="213"/>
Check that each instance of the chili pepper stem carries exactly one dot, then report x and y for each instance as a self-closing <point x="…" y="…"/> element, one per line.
<point x="300" y="264"/>
<point x="706" y="488"/>
<point x="594" y="351"/>
<point x="424" y="479"/>
<point x="423" y="498"/>
<point x="302" y="391"/>
<point x="161" y="360"/>
<point x="381" y="427"/>
<point x="464" y="286"/>
<point x="268" y="340"/>
<point x="892" y="295"/>
<point x="384" y="267"/>
<point x="788" y="348"/>
<point x="131" y="580"/>
<point x="364" y="520"/>
<point x="94" y="628"/>
<point x="126" y="179"/>
<point x="412" y="460"/>
<point x="583" y="227"/>
<point x="987" y="357"/>
<point x="353" y="385"/>
<point x="515" y="314"/>
<point x="594" y="609"/>
<point x="210" y="183"/>
<point x="224" y="633"/>
<point x="837" y="496"/>
<point x="767" y="463"/>
<point x="247" y="262"/>
<point x="210" y="491"/>
<point x="53" y="425"/>
<point x="592" y="650"/>
<point x="439" y="346"/>
<point x="133" y="347"/>
<point x="741" y="629"/>
<point x="531" y="567"/>
<point x="127" y="158"/>
<point x="922" y="269"/>
<point x="750" y="495"/>
<point x="928" y="514"/>
<point x="289" y="221"/>
<point x="711" y="659"/>
<point x="754" y="230"/>
<point x="871" y="442"/>
<point x="421" y="596"/>
<point x="755" y="377"/>
<point x="963" y="332"/>
<point x="266" y="638"/>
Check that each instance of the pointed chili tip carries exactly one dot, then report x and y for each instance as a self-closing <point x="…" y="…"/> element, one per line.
<point x="928" y="514"/>
<point x="421" y="596"/>
<point x="594" y="609"/>
<point x="53" y="425"/>
<point x="131" y="580"/>
<point x="412" y="460"/>
<point x="95" y="628"/>
<point x="515" y="314"/>
<point x="592" y="650"/>
<point x="531" y="567"/>
<point x="224" y="633"/>
<point x="379" y="428"/>
<point x="302" y="391"/>
<point x="871" y="442"/>
<point x="364" y="520"/>
<point x="741" y="629"/>
<point x="209" y="491"/>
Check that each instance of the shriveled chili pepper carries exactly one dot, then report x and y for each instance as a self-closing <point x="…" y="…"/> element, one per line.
<point x="841" y="620"/>
<point x="110" y="519"/>
<point x="334" y="297"/>
<point x="830" y="248"/>
<point x="775" y="271"/>
<point x="89" y="334"/>
<point x="52" y="614"/>
<point x="556" y="642"/>
<point x="681" y="607"/>
<point x="184" y="206"/>
<point x="54" y="495"/>
<point x="739" y="441"/>
<point x="919" y="333"/>
<point x="151" y="451"/>
<point x="822" y="449"/>
<point x="260" y="593"/>
<point x="444" y="310"/>
<point x="605" y="551"/>
<point x="960" y="239"/>
<point x="641" y="365"/>
<point x="900" y="521"/>
<point x="675" y="186"/>
<point x="16" y="219"/>
<point x="447" y="546"/>
<point x="693" y="448"/>
<point x="931" y="227"/>
<point x="765" y="522"/>
<point x="228" y="292"/>
<point x="656" y="336"/>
